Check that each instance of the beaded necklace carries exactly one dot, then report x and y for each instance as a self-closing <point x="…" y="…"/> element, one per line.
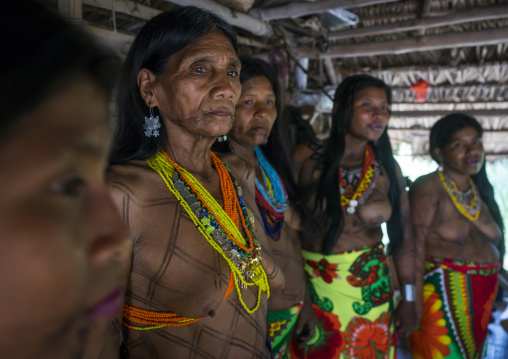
<point x="272" y="201"/>
<point x="219" y="225"/>
<point x="350" y="199"/>
<point x="470" y="209"/>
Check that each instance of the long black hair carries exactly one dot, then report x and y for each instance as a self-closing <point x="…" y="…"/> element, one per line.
<point x="160" y="38"/>
<point x="327" y="191"/>
<point x="440" y="135"/>
<point x="42" y="53"/>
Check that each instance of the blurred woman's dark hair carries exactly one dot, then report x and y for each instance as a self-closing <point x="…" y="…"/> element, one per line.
<point x="41" y="55"/>
<point x="440" y="135"/>
<point x="327" y="207"/>
<point x="160" y="38"/>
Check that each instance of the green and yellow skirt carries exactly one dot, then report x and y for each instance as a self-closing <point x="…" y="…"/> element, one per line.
<point x="352" y="297"/>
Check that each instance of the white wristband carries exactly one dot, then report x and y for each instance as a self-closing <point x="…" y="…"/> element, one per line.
<point x="409" y="292"/>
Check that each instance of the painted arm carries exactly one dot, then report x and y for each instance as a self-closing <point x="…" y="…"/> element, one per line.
<point x="404" y="260"/>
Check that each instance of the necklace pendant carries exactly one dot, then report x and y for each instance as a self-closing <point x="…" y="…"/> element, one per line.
<point x="241" y="284"/>
<point x="351" y="210"/>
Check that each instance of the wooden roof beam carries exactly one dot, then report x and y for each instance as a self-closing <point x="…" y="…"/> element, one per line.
<point x="427" y="130"/>
<point x="125" y="7"/>
<point x="477" y="14"/>
<point x="424" y="43"/>
<point x="293" y="10"/>
<point x="439" y="113"/>
<point x="235" y="18"/>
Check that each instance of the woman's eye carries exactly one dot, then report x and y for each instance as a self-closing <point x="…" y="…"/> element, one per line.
<point x="248" y="102"/>
<point x="269" y="102"/>
<point x="385" y="108"/>
<point x="233" y="74"/>
<point x="367" y="105"/>
<point x="199" y="69"/>
<point x="70" y="187"/>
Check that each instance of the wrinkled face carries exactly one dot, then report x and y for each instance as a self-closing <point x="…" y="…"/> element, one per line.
<point x="255" y="112"/>
<point x="62" y="244"/>
<point x="200" y="87"/>
<point x="370" y="114"/>
<point x="464" y="153"/>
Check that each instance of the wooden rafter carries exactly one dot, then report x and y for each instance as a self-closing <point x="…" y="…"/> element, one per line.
<point x="438" y="113"/>
<point x="476" y="14"/>
<point x="425" y="43"/>
<point x="306" y="8"/>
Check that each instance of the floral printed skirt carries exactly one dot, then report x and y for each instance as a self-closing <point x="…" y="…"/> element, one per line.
<point x="280" y="329"/>
<point x="352" y="297"/>
<point x="457" y="306"/>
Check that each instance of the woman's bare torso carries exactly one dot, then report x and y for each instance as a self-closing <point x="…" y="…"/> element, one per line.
<point x="362" y="228"/>
<point x="452" y="235"/>
<point x="175" y="269"/>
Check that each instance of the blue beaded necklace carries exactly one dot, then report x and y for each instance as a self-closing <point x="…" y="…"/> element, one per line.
<point x="276" y="195"/>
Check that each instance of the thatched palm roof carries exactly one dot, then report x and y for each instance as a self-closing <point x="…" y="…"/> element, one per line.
<point x="458" y="47"/>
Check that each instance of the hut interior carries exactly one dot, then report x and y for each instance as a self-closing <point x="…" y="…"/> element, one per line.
<point x="438" y="56"/>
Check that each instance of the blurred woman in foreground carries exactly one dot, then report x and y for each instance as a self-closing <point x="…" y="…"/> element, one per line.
<point x="459" y="236"/>
<point x="63" y="245"/>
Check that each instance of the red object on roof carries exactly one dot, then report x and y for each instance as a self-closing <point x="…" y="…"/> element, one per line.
<point x="420" y="89"/>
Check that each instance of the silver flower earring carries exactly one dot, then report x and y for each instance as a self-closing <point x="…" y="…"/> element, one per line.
<point x="222" y="138"/>
<point x="152" y="125"/>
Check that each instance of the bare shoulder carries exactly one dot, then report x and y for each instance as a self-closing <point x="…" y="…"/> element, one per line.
<point x="242" y="171"/>
<point x="301" y="154"/>
<point x="426" y="185"/>
<point x="306" y="161"/>
<point x="133" y="178"/>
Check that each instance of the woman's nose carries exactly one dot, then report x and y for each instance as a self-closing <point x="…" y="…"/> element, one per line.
<point x="223" y="86"/>
<point x="110" y="239"/>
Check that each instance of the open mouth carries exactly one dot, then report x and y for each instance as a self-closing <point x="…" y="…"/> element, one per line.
<point x="375" y="127"/>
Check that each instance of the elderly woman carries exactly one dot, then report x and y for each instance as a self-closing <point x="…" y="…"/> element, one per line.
<point x="459" y="236"/>
<point x="256" y="139"/>
<point x="63" y="246"/>
<point x="354" y="186"/>
<point x="198" y="284"/>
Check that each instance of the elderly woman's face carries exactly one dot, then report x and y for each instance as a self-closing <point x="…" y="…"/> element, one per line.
<point x="201" y="86"/>
<point x="62" y="246"/>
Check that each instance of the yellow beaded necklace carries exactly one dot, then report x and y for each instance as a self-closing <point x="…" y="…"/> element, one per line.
<point x="248" y="274"/>
<point x="470" y="210"/>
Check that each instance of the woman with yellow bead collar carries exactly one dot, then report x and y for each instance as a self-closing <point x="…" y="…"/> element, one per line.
<point x="460" y="243"/>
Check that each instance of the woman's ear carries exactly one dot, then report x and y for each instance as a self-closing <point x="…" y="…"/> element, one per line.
<point x="438" y="154"/>
<point x="146" y="81"/>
